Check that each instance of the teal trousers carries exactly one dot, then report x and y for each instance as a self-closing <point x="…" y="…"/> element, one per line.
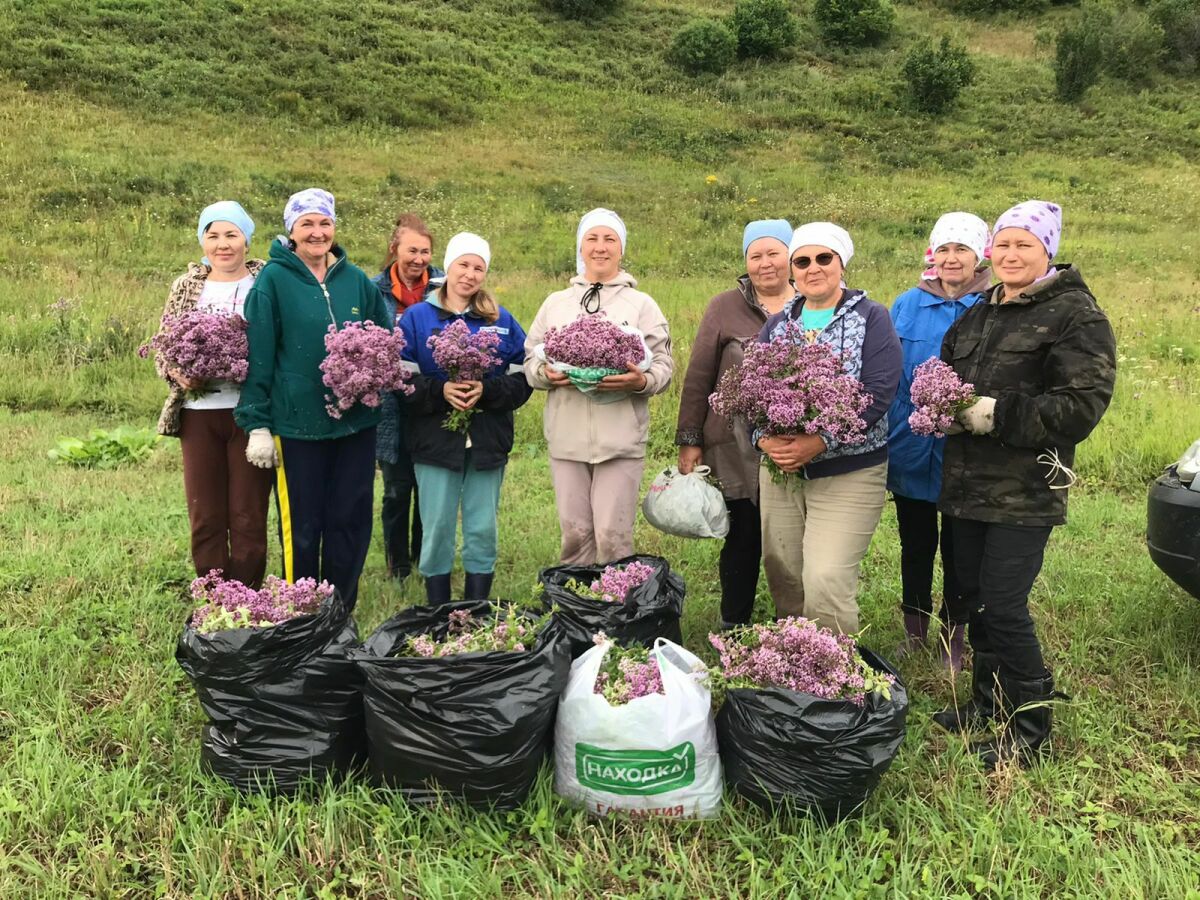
<point x="442" y="493"/>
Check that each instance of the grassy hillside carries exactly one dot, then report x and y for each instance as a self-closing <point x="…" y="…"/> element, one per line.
<point x="120" y="120"/>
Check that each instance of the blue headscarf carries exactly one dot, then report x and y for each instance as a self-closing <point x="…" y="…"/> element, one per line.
<point x="779" y="229"/>
<point x="224" y="211"/>
<point x="309" y="200"/>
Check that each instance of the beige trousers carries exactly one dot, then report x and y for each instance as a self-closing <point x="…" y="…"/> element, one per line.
<point x="815" y="534"/>
<point x="597" y="503"/>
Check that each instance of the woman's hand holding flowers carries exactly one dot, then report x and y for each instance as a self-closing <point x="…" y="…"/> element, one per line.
<point x="791" y="452"/>
<point x="634" y="380"/>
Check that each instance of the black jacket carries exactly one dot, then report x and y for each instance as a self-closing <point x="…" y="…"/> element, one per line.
<point x="1050" y="360"/>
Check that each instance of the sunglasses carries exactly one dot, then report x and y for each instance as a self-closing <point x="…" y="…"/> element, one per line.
<point x="821" y="259"/>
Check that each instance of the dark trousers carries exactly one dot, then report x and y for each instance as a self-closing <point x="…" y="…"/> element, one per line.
<point x="918" y="526"/>
<point x="997" y="565"/>
<point x="326" y="491"/>
<point x="741" y="555"/>
<point x="227" y="498"/>
<point x="400" y="500"/>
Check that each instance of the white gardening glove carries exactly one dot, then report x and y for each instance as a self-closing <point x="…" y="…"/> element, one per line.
<point x="260" y="449"/>
<point x="979" y="417"/>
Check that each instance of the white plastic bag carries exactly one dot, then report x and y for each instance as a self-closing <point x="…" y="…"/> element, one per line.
<point x="1188" y="465"/>
<point x="655" y="756"/>
<point x="586" y="380"/>
<point x="686" y="505"/>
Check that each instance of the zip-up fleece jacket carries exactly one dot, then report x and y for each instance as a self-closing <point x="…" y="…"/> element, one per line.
<point x="862" y="332"/>
<point x="921" y="316"/>
<point x="1049" y="359"/>
<point x="391" y="411"/>
<point x="504" y="390"/>
<point x="579" y="429"/>
<point x="289" y="313"/>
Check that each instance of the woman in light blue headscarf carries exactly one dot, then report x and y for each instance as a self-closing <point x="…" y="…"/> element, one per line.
<point x="227" y="497"/>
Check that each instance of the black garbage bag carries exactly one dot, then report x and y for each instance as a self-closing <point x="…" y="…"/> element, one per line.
<point x="284" y="703"/>
<point x="475" y="726"/>
<point x="651" y="610"/>
<point x="824" y="757"/>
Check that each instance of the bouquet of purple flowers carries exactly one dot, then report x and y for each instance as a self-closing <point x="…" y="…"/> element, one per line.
<point x="463" y="356"/>
<point x="790" y="385"/>
<point x="592" y="348"/>
<point x="362" y="361"/>
<point x="202" y="346"/>
<point x="627" y="674"/>
<point x="615" y="582"/>
<point x="797" y="654"/>
<point x="938" y="395"/>
<point x="222" y="604"/>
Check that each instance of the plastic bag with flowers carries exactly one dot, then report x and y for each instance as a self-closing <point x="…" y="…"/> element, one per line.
<point x="592" y="348"/>
<point x="460" y="700"/>
<point x="283" y="701"/>
<point x="809" y="719"/>
<point x="635" y="734"/>
<point x="633" y="600"/>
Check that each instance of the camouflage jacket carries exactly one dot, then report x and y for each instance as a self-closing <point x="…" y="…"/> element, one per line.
<point x="184" y="295"/>
<point x="1049" y="360"/>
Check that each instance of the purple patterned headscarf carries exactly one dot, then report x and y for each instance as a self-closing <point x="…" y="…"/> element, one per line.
<point x="1043" y="220"/>
<point x="310" y="200"/>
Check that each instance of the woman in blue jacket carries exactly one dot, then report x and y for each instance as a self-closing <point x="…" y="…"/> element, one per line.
<point x="457" y="470"/>
<point x="922" y="316"/>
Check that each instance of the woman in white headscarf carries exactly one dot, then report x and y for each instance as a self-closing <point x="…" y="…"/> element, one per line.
<point x="922" y="314"/>
<point x="598" y="450"/>
<point x="227" y="497"/>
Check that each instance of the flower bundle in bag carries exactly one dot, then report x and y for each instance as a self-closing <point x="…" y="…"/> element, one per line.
<point x="635" y="734"/>
<point x="590" y="349"/>
<point x="790" y="385"/>
<point x="283" y="701"/>
<point x="686" y="505"/>
<point x="362" y="362"/>
<point x="633" y="600"/>
<point x="471" y="721"/>
<point x="203" y="346"/>
<point x="463" y="356"/>
<point x="809" y="720"/>
<point x="938" y="395"/>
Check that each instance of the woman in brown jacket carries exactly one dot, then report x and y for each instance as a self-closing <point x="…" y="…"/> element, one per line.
<point x="731" y="320"/>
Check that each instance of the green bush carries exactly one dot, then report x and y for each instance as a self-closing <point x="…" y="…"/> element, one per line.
<point x="854" y="23"/>
<point x="936" y="77"/>
<point x="1133" y="45"/>
<point x="581" y="9"/>
<point x="106" y="449"/>
<point x="987" y="7"/>
<point x="703" y="46"/>
<point x="1180" y="24"/>
<point x="1078" y="56"/>
<point x="763" y="27"/>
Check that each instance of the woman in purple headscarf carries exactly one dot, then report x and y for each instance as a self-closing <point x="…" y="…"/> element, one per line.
<point x="1042" y="357"/>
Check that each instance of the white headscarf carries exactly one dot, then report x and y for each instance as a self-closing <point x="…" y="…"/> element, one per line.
<point x="961" y="228"/>
<point x="598" y="217"/>
<point x="823" y="234"/>
<point x="465" y="243"/>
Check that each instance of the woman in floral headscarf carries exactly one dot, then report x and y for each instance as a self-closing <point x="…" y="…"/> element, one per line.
<point x="1042" y="357"/>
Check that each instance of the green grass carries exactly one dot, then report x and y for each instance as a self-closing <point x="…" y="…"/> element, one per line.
<point x="119" y="121"/>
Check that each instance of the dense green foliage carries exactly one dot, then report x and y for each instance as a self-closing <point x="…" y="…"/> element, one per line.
<point x="526" y="120"/>
<point x="1180" y="24"/>
<point x="763" y="27"/>
<point x="936" y="77"/>
<point x="854" y="23"/>
<point x="1078" y="59"/>
<point x="703" y="46"/>
<point x="581" y="9"/>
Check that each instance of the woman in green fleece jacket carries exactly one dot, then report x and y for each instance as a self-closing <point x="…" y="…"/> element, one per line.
<point x="325" y="467"/>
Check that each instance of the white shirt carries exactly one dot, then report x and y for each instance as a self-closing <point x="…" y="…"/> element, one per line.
<point x="226" y="298"/>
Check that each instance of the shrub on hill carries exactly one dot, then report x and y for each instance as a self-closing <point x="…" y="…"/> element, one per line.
<point x="854" y="23"/>
<point x="1077" y="59"/>
<point x="581" y="9"/>
<point x="935" y="78"/>
<point x="763" y="27"/>
<point x="703" y="46"/>
<point x="987" y="7"/>
<point x="1180" y="23"/>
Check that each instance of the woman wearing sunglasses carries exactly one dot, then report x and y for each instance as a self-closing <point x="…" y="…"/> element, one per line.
<point x="816" y="528"/>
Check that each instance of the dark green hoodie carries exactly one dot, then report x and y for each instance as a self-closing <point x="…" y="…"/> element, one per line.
<point x="289" y="315"/>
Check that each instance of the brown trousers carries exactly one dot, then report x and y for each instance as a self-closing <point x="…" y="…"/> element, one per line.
<point x="227" y="497"/>
<point x="597" y="503"/>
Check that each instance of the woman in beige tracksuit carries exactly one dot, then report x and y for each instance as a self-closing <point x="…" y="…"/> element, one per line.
<point x="597" y="450"/>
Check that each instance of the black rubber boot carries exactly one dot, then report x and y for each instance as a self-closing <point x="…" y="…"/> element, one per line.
<point x="437" y="589"/>
<point x="1028" y="725"/>
<point x="980" y="708"/>
<point x="478" y="587"/>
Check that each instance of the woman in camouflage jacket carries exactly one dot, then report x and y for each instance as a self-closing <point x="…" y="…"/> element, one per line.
<point x="1042" y="357"/>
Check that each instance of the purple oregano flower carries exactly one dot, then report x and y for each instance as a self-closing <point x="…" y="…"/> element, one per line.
<point x="627" y="674"/>
<point x="203" y="346"/>
<point x="463" y="356"/>
<point x="362" y="362"/>
<point x="225" y="604"/>
<point x="938" y="395"/>
<point x="594" y="342"/>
